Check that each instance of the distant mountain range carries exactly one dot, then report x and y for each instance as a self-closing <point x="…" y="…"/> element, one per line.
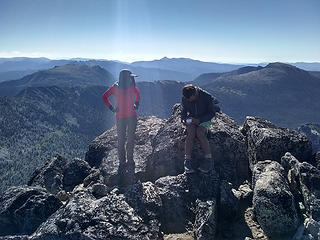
<point x="12" y="69"/>
<point x="15" y="68"/>
<point x="313" y="66"/>
<point x="282" y="93"/>
<point x="70" y="75"/>
<point x="178" y="69"/>
<point x="144" y="73"/>
<point x="23" y="63"/>
<point x="187" y="65"/>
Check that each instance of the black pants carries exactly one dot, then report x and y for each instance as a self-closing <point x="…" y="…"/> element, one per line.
<point x="126" y="128"/>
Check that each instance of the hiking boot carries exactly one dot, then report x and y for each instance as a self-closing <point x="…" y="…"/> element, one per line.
<point x="188" y="166"/>
<point x="205" y="165"/>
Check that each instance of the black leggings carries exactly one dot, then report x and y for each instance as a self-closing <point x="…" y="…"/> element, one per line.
<point x="126" y="126"/>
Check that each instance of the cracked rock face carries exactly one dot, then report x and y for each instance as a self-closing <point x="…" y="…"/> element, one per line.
<point x="206" y="219"/>
<point x="308" y="230"/>
<point x="229" y="203"/>
<point x="58" y="174"/>
<point x="304" y="183"/>
<point x="75" y="172"/>
<point x="309" y="177"/>
<point x="179" y="193"/>
<point x="273" y="203"/>
<point x="268" y="141"/>
<point x="110" y="217"/>
<point x="50" y="176"/>
<point x="312" y="131"/>
<point x="317" y="159"/>
<point x="23" y="209"/>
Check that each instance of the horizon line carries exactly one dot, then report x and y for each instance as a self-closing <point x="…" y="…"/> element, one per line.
<point x="154" y="59"/>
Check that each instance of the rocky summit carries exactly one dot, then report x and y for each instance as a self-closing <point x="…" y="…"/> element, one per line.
<point x="264" y="185"/>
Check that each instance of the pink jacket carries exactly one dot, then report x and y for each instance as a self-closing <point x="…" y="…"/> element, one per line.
<point x="124" y="100"/>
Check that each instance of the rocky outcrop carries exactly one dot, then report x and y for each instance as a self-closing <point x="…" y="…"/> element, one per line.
<point x="291" y="167"/>
<point x="159" y="201"/>
<point x="75" y="172"/>
<point x="312" y="131"/>
<point x="229" y="149"/>
<point x="267" y="141"/>
<point x="58" y="174"/>
<point x="317" y="160"/>
<point x="110" y="217"/>
<point x="179" y="193"/>
<point x="23" y="209"/>
<point x="174" y="192"/>
<point x="305" y="184"/>
<point x="229" y="203"/>
<point x="159" y="149"/>
<point x="168" y="148"/>
<point x="16" y="237"/>
<point x="50" y="176"/>
<point x="310" y="188"/>
<point x="273" y="203"/>
<point x="206" y="220"/>
<point x="94" y="177"/>
<point x="145" y="198"/>
<point x="244" y="194"/>
<point x="309" y="230"/>
<point x="312" y="229"/>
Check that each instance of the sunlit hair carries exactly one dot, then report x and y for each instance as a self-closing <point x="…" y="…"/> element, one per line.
<point x="125" y="79"/>
<point x="188" y="90"/>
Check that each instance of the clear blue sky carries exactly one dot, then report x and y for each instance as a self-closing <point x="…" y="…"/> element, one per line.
<point x="128" y="30"/>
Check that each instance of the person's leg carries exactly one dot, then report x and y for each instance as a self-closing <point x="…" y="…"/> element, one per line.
<point x="132" y="125"/>
<point x="121" y="132"/>
<point x="191" y="134"/>
<point x="202" y="136"/>
<point x="206" y="163"/>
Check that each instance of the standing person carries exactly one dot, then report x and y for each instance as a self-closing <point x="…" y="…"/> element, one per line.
<point x="198" y="108"/>
<point x="124" y="92"/>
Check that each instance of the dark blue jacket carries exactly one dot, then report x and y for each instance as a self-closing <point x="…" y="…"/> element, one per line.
<point x="203" y="108"/>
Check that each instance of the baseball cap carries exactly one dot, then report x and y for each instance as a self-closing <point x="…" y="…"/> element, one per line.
<point x="127" y="72"/>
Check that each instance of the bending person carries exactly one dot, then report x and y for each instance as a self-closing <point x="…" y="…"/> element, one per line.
<point x="198" y="108"/>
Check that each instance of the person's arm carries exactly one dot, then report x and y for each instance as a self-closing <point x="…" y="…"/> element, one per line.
<point x="105" y="98"/>
<point x="210" y="113"/>
<point x="183" y="110"/>
<point x="137" y="98"/>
